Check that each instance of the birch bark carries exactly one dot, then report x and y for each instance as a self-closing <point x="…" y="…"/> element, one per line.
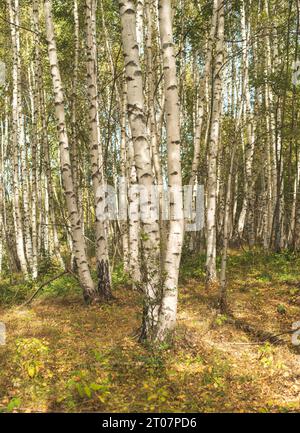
<point x="168" y="308"/>
<point x="77" y="235"/>
<point x="136" y="113"/>
<point x="211" y="272"/>
<point x="13" y="8"/>
<point x="96" y="156"/>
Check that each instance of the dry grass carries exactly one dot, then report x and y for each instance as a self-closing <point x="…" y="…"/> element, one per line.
<point x="63" y="356"/>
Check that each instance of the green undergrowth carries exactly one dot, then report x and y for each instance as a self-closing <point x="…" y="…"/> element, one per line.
<point x="264" y="267"/>
<point x="63" y="356"/>
<point x="15" y="290"/>
<point x="245" y="266"/>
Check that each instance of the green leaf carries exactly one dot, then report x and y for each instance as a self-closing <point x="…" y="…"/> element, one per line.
<point x="79" y="389"/>
<point x="87" y="391"/>
<point x="95" y="386"/>
<point x="13" y="404"/>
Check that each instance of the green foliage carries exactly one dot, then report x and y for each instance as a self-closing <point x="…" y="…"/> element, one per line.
<point x="221" y="319"/>
<point x="14" y="403"/>
<point x="192" y="266"/>
<point x="62" y="286"/>
<point x="14" y="289"/>
<point x="281" y="309"/>
<point x="31" y="355"/>
<point x="119" y="277"/>
<point x="153" y="363"/>
<point x="266" y="355"/>
<point x="215" y="376"/>
<point x="82" y="387"/>
<point x="144" y="236"/>
<point x="156" y="394"/>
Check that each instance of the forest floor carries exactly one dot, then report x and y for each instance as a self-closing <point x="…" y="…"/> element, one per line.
<point x="63" y="356"/>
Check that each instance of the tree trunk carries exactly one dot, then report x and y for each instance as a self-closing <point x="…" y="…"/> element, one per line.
<point x="96" y="157"/>
<point x="150" y="265"/>
<point x="86" y="281"/>
<point x="211" y="271"/>
<point x="13" y="7"/>
<point x="168" y="309"/>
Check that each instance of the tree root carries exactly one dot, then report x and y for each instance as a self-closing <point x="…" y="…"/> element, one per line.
<point x="259" y="334"/>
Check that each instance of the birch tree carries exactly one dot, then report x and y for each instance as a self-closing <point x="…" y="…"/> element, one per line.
<point x="96" y="154"/>
<point x="168" y="308"/>
<point x="137" y="120"/>
<point x="13" y="8"/>
<point x="86" y="281"/>
<point x="211" y="272"/>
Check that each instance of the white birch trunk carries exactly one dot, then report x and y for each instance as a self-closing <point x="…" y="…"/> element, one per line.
<point x="168" y="308"/>
<point x="77" y="235"/>
<point x="247" y="208"/>
<point x="96" y="157"/>
<point x="211" y="271"/>
<point x="137" y="120"/>
<point x="13" y="7"/>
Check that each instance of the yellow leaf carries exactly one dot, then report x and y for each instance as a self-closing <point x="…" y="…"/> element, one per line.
<point x="31" y="371"/>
